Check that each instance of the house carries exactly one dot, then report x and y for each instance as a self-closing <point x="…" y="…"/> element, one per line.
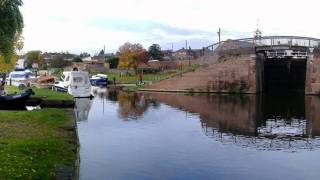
<point x="167" y="55"/>
<point x="87" y="59"/>
<point x="186" y="54"/>
<point x="103" y="57"/>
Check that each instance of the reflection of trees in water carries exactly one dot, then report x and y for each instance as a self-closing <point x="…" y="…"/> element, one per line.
<point x="285" y="123"/>
<point x="112" y="95"/>
<point x="132" y="105"/>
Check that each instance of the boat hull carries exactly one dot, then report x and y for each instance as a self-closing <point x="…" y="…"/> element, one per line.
<point x="99" y="82"/>
<point x="15" y="101"/>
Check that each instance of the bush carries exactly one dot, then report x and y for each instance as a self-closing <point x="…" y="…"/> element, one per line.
<point x="148" y="70"/>
<point x="77" y="59"/>
<point x="59" y="62"/>
<point x="114" y="61"/>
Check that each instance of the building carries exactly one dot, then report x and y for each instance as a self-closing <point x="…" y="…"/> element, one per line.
<point x="102" y="57"/>
<point x="187" y="54"/>
<point x="167" y="55"/>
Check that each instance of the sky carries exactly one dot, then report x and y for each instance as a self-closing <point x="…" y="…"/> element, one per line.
<point x="88" y="25"/>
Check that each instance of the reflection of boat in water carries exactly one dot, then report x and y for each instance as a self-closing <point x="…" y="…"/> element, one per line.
<point x="15" y="100"/>
<point x="99" y="91"/>
<point x="82" y="108"/>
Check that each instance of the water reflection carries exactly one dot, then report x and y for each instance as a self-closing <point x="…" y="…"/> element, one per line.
<point x="82" y="108"/>
<point x="178" y="136"/>
<point x="132" y="106"/>
<point x="284" y="122"/>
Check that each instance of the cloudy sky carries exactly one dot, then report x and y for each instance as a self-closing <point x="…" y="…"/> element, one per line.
<point x="87" y="25"/>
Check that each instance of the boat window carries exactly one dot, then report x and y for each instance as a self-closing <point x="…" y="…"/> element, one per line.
<point x="68" y="77"/>
<point x="77" y="79"/>
<point x="18" y="76"/>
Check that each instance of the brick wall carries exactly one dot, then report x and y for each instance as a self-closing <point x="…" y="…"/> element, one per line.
<point x="313" y="75"/>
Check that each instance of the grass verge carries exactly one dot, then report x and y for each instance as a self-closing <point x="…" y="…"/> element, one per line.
<point x="45" y="94"/>
<point x="34" y="144"/>
<point x="133" y="79"/>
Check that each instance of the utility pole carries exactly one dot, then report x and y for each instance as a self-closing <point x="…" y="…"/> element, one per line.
<point x="104" y="52"/>
<point x="219" y="34"/>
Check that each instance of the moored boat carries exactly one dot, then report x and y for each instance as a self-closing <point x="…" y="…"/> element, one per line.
<point x="76" y="83"/>
<point x="15" y="100"/>
<point x="100" y="80"/>
<point x="45" y="82"/>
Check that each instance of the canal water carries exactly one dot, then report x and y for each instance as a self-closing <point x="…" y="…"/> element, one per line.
<point x="177" y="136"/>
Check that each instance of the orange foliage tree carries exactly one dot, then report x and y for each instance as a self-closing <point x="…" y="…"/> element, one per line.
<point x="131" y="55"/>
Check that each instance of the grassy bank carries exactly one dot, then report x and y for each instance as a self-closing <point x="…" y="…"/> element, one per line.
<point x="33" y="145"/>
<point x="133" y="79"/>
<point x="45" y="94"/>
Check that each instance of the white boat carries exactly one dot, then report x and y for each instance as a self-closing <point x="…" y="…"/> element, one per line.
<point x="75" y="83"/>
<point x="20" y="77"/>
<point x="100" y="80"/>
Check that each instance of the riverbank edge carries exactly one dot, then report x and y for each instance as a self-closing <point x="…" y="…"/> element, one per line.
<point x="34" y="101"/>
<point x="194" y="91"/>
<point x="74" y="128"/>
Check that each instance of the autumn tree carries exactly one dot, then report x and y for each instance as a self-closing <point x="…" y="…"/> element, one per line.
<point x="11" y="24"/>
<point x="7" y="66"/>
<point x="131" y="55"/>
<point x="33" y="57"/>
<point x="155" y="52"/>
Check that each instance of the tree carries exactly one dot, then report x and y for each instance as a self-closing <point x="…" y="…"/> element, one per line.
<point x="142" y="57"/>
<point x="5" y="66"/>
<point x="77" y="59"/>
<point x="84" y="55"/>
<point x="131" y="55"/>
<point x="11" y="24"/>
<point x="33" y="57"/>
<point x="19" y="43"/>
<point x="113" y="61"/>
<point x="101" y="53"/>
<point x="155" y="52"/>
<point x="59" y="62"/>
<point x="131" y="47"/>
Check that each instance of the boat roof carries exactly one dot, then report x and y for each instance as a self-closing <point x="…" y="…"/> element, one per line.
<point x="20" y="72"/>
<point x="101" y="75"/>
<point x="66" y="73"/>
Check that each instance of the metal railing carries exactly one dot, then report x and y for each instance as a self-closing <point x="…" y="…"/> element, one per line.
<point x="269" y="41"/>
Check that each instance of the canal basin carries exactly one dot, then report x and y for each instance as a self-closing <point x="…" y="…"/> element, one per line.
<point x="177" y="136"/>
